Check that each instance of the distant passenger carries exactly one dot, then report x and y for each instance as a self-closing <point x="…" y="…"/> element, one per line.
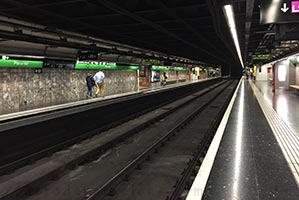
<point x="247" y="74"/>
<point x="90" y="83"/>
<point x="164" y="81"/>
<point x="99" y="80"/>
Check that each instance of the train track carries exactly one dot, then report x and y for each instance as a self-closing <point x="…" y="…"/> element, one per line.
<point x="101" y="173"/>
<point x="95" y="152"/>
<point x="25" y="145"/>
<point x="184" y="134"/>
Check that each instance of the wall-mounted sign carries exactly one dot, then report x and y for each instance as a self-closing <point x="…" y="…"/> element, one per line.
<point x="21" y="63"/>
<point x="152" y="62"/>
<point x="165" y="68"/>
<point x="260" y="56"/>
<point x="279" y="11"/>
<point x="160" y="68"/>
<point x="180" y="69"/>
<point x="103" y="65"/>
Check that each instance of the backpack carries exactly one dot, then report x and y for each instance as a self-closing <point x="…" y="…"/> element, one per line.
<point x="93" y="83"/>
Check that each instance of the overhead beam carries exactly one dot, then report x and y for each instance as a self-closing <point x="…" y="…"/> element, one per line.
<point x="157" y="22"/>
<point x="68" y="20"/>
<point x="201" y="38"/>
<point x="139" y="12"/>
<point x="75" y="22"/>
<point x="46" y="41"/>
<point x="249" y="12"/>
<point x="284" y="54"/>
<point x="51" y="14"/>
<point x="43" y="4"/>
<point x="39" y="5"/>
<point x="41" y="29"/>
<point x="136" y="17"/>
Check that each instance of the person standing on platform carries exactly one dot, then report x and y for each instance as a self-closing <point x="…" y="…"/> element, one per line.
<point x="254" y="72"/>
<point x="90" y="83"/>
<point x="164" y="81"/>
<point x="247" y="73"/>
<point x="99" y="80"/>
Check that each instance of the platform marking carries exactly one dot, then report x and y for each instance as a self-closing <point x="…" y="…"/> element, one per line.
<point x="285" y="136"/>
<point x="199" y="184"/>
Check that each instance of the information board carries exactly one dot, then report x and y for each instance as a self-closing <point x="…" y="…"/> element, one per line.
<point x="279" y="11"/>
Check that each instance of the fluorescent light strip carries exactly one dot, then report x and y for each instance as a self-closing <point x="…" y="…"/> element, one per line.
<point x="22" y="56"/>
<point x="232" y="27"/>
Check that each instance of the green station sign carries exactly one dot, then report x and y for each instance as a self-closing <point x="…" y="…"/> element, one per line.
<point x="21" y="63"/>
<point x="165" y="68"/>
<point x="152" y="62"/>
<point x="160" y="68"/>
<point x="107" y="66"/>
<point x="260" y="56"/>
<point x="180" y="69"/>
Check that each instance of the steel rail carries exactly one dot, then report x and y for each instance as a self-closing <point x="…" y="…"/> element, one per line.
<point x="108" y="187"/>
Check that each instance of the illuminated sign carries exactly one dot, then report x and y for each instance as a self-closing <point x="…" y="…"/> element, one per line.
<point x="279" y="11"/>
<point x="21" y="63"/>
<point x="160" y="68"/>
<point x="103" y="65"/>
<point x="165" y="68"/>
<point x="180" y="69"/>
<point x="295" y="7"/>
<point x="282" y="73"/>
<point x="261" y="57"/>
<point x="152" y="61"/>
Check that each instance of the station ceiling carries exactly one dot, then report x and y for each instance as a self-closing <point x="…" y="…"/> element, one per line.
<point x="194" y="29"/>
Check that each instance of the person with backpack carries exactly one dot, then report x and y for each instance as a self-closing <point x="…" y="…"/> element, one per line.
<point x="89" y="83"/>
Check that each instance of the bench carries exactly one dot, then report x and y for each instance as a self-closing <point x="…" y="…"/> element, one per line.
<point x="296" y="87"/>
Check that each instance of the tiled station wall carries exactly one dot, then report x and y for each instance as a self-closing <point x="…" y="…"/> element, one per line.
<point x="22" y="89"/>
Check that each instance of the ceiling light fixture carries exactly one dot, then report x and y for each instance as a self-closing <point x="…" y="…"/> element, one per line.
<point x="228" y="10"/>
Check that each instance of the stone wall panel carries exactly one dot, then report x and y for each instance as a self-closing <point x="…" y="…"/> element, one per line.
<point x="22" y="89"/>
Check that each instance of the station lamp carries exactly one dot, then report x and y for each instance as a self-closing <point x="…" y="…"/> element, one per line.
<point x="230" y="20"/>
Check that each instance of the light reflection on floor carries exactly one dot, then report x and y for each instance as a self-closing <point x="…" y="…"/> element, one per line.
<point x="285" y="103"/>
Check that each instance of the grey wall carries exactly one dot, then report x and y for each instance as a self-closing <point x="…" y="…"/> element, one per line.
<point x="263" y="75"/>
<point x="292" y="74"/>
<point x="297" y="74"/>
<point x="22" y="89"/>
